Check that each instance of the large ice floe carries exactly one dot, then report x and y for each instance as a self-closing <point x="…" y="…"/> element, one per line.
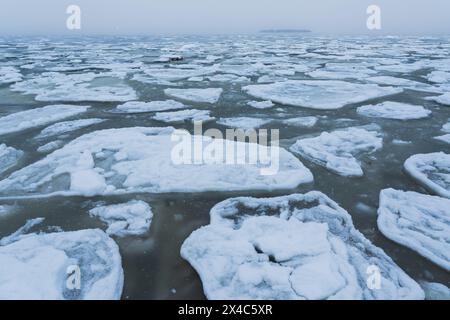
<point x="38" y="117"/>
<point x="418" y="221"/>
<point x="152" y="106"/>
<point x="49" y="266"/>
<point x="67" y="126"/>
<point x="126" y="219"/>
<point x="8" y="157"/>
<point x="184" y="115"/>
<point x="141" y="159"/>
<point x="318" y="94"/>
<point x="291" y="247"/>
<point x="432" y="171"/>
<point x="53" y="86"/>
<point x="338" y="150"/>
<point x="208" y="95"/>
<point x="394" y="110"/>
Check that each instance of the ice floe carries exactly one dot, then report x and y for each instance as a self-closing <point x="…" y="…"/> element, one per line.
<point x="418" y="221"/>
<point x="338" y="150"/>
<point x="439" y="77"/>
<point x="404" y="83"/>
<point x="208" y="95"/>
<point x="394" y="110"/>
<point x="184" y="115"/>
<point x="291" y="247"/>
<point x="126" y="219"/>
<point x="9" y="75"/>
<point x="152" y="106"/>
<point x="38" y="117"/>
<point x="8" y="157"/>
<point x="442" y="99"/>
<point x="51" y="146"/>
<point x="67" y="126"/>
<point x="261" y="104"/>
<point x="301" y="122"/>
<point x="39" y="267"/>
<point x="432" y="171"/>
<point x="318" y="94"/>
<point x="129" y="160"/>
<point x="435" y="291"/>
<point x="243" y="122"/>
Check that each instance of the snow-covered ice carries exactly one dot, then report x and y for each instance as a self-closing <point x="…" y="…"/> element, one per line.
<point x="152" y="106"/>
<point x="243" y="122"/>
<point x="291" y="247"/>
<point x="9" y="75"/>
<point x="439" y="77"/>
<point x="418" y="221"/>
<point x="318" y="94"/>
<point x="139" y="159"/>
<point x="338" y="150"/>
<point x="208" y="95"/>
<point x="435" y="291"/>
<point x="404" y="83"/>
<point x="394" y="110"/>
<point x="442" y="99"/>
<point x="432" y="171"/>
<point x="126" y="219"/>
<point x="67" y="126"/>
<point x="184" y="115"/>
<point x="8" y="157"/>
<point x="24" y="120"/>
<point x="301" y="121"/>
<point x="261" y="104"/>
<point x="37" y="266"/>
<point x="51" y="146"/>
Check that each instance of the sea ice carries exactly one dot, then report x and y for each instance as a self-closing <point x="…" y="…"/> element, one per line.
<point x="208" y="95"/>
<point x="291" y="247"/>
<point x="67" y="126"/>
<point x="243" y="122"/>
<point x="394" y="110"/>
<point x="152" y="106"/>
<point x="8" y="157"/>
<point x="318" y="94"/>
<point x="439" y="77"/>
<point x="338" y="150"/>
<point x="418" y="221"/>
<point x="432" y="171"/>
<point x="261" y="104"/>
<point x="39" y="266"/>
<point x="301" y="122"/>
<point x="129" y="160"/>
<point x="38" y="117"/>
<point x="126" y="219"/>
<point x="404" y="83"/>
<point x="184" y="115"/>
<point x="9" y="75"/>
<point x="435" y="291"/>
<point x="442" y="99"/>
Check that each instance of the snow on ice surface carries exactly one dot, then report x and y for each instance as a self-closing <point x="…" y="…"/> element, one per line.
<point x="28" y="274"/>
<point x="404" y="83"/>
<point x="442" y="99"/>
<point x="129" y="160"/>
<point x="261" y="104"/>
<point x="8" y="157"/>
<point x="152" y="106"/>
<point x="432" y="171"/>
<point x="435" y="291"/>
<point x="243" y="122"/>
<point x="67" y="126"/>
<point x="439" y="77"/>
<point x="394" y="110"/>
<point x="301" y="121"/>
<point x="53" y="86"/>
<point x="9" y="75"/>
<point x="51" y="146"/>
<point x="338" y="71"/>
<point x="291" y="247"/>
<point x="126" y="219"/>
<point x="184" y="115"/>
<point x="38" y="117"/>
<point x="338" y="150"/>
<point x="318" y="94"/>
<point x="208" y="95"/>
<point x="417" y="221"/>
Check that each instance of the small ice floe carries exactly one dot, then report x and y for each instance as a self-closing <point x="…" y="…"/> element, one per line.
<point x="8" y="157"/>
<point x="340" y="71"/>
<point x="53" y="86"/>
<point x="243" y="122"/>
<point x="152" y="106"/>
<point x="439" y="77"/>
<point x="143" y="159"/>
<point x="337" y="150"/>
<point x="318" y="94"/>
<point x="307" y="122"/>
<point x="435" y="291"/>
<point x="400" y="142"/>
<point x="51" y="146"/>
<point x="394" y="110"/>
<point x="167" y="75"/>
<point x="79" y="265"/>
<point x="442" y="99"/>
<point x="260" y="104"/>
<point x="67" y="126"/>
<point x="184" y="115"/>
<point x="418" y="221"/>
<point x="227" y="78"/>
<point x="446" y="137"/>
<point x="432" y="171"/>
<point x="208" y="95"/>
<point x="402" y="67"/>
<point x="292" y="247"/>
<point x="9" y="75"/>
<point x="404" y="83"/>
<point x="24" y="120"/>
<point x="127" y="219"/>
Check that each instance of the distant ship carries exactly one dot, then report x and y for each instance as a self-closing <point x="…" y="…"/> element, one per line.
<point x="285" y="31"/>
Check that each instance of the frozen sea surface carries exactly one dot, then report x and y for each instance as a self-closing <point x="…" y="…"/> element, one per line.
<point x="303" y="86"/>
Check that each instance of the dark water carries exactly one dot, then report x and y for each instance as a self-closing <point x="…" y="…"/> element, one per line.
<point x="152" y="263"/>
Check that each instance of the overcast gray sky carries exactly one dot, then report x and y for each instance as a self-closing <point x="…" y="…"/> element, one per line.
<point x="223" y="16"/>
